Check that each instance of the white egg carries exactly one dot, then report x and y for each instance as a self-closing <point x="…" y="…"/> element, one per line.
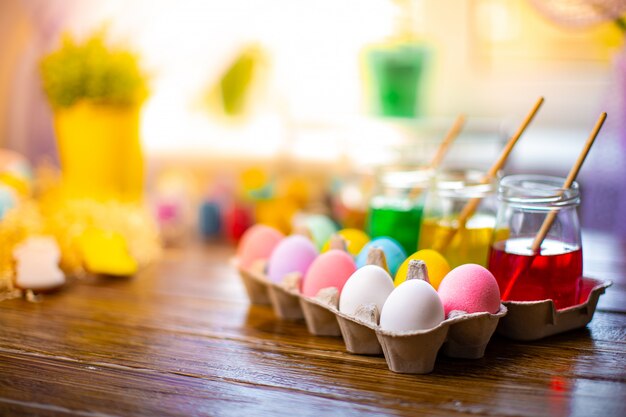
<point x="369" y="284"/>
<point x="413" y="305"/>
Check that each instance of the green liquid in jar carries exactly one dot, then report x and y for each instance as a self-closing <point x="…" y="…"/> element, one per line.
<point x="398" y="221"/>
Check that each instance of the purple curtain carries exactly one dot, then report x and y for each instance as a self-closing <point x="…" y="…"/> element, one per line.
<point x="30" y="129"/>
<point x="603" y="178"/>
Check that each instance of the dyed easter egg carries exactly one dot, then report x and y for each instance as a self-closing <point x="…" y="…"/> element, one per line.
<point x="275" y="212"/>
<point x="470" y="288"/>
<point x="320" y="227"/>
<point x="15" y="179"/>
<point x="437" y="266"/>
<point x="236" y="220"/>
<point x="292" y="254"/>
<point x="412" y="305"/>
<point x="209" y="219"/>
<point x="8" y="199"/>
<point x="15" y="171"/>
<point x="330" y="269"/>
<point x="258" y="242"/>
<point x="370" y="284"/>
<point x="355" y="240"/>
<point x="394" y="254"/>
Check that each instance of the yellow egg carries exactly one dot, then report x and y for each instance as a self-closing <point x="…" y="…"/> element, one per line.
<point x="297" y="189"/>
<point x="355" y="239"/>
<point x="276" y="212"/>
<point x="436" y="264"/>
<point x="254" y="179"/>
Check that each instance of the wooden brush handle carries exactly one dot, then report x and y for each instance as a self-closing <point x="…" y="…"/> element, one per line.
<point x="547" y="223"/>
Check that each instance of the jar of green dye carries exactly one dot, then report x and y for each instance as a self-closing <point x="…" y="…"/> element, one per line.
<point x="397" y="206"/>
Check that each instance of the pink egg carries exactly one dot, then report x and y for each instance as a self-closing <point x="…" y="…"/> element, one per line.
<point x="470" y="288"/>
<point x="257" y="242"/>
<point x="330" y="269"/>
<point x="293" y="254"/>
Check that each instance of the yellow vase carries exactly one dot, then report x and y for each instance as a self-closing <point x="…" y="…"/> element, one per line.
<point x="100" y="151"/>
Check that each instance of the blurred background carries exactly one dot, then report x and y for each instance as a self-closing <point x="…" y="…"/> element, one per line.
<point x="299" y="103"/>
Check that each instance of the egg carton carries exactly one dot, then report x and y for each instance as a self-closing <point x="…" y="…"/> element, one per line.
<point x="462" y="336"/>
<point x="534" y="320"/>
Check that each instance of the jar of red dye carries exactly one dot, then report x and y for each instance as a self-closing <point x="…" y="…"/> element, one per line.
<point x="553" y="271"/>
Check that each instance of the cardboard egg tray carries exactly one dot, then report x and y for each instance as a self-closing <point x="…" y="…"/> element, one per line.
<point x="534" y="320"/>
<point x="465" y="336"/>
<point x="460" y="336"/>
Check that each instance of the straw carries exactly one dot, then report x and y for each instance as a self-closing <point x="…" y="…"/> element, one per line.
<point x="547" y="223"/>
<point x="471" y="205"/>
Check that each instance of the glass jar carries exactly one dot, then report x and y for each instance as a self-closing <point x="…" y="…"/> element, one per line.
<point x="396" y="209"/>
<point x="553" y="271"/>
<point x="461" y="235"/>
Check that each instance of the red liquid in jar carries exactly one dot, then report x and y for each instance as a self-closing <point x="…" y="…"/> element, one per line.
<point x="555" y="273"/>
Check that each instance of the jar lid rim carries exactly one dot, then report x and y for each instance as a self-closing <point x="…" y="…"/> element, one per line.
<point x="464" y="183"/>
<point x="538" y="191"/>
<point x="402" y="176"/>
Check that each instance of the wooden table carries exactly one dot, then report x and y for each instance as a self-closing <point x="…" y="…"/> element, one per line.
<point x="182" y="339"/>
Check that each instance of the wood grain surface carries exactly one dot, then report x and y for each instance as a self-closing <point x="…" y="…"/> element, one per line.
<point x="182" y="339"/>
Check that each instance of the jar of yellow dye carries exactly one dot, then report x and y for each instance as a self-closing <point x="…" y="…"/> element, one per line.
<point x="460" y="242"/>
